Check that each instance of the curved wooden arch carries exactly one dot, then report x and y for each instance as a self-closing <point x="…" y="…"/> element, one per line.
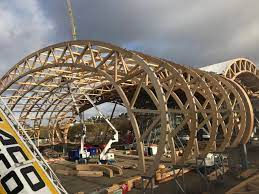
<point x="239" y="112"/>
<point x="36" y="86"/>
<point x="224" y="106"/>
<point x="195" y="85"/>
<point x="239" y="66"/>
<point x="249" y="112"/>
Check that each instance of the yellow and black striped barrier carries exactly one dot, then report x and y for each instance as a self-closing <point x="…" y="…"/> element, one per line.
<point x="20" y="172"/>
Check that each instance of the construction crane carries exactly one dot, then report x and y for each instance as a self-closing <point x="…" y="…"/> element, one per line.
<point x="72" y="20"/>
<point x="104" y="154"/>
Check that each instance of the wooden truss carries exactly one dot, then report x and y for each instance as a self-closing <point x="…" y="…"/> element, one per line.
<point x="36" y="90"/>
<point x="249" y="186"/>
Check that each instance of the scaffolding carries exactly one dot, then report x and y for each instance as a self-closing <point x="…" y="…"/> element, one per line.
<point x="204" y="170"/>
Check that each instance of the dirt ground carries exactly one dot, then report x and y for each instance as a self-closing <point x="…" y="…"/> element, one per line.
<point x="194" y="184"/>
<point x="75" y="184"/>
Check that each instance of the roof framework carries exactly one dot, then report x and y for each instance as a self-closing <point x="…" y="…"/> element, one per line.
<point x="36" y="89"/>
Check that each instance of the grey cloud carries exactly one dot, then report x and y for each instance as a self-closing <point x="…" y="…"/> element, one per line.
<point x="23" y="29"/>
<point x="190" y="32"/>
<point x="195" y="33"/>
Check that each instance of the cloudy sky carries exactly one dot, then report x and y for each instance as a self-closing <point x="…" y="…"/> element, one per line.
<point x="195" y="33"/>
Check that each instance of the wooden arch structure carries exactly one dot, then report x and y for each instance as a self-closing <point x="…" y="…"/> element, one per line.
<point x="36" y="89"/>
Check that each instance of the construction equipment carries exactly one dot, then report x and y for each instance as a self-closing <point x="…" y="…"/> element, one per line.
<point x="104" y="155"/>
<point x="72" y="20"/>
<point x="83" y="154"/>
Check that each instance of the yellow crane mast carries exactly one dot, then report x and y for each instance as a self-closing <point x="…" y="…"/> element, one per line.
<point x="72" y="20"/>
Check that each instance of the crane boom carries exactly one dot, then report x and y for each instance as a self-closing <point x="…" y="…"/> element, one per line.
<point x="72" y="20"/>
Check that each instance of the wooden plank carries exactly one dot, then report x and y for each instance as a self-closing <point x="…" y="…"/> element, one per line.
<point x="116" y="169"/>
<point x="164" y="175"/>
<point x="111" y="190"/>
<point x="242" y="185"/>
<point x="247" y="173"/>
<point x="90" y="173"/>
<point x="95" y="167"/>
<point x="165" y="179"/>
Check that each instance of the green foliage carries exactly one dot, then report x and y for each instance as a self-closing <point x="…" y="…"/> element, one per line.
<point x="44" y="132"/>
<point x="95" y="126"/>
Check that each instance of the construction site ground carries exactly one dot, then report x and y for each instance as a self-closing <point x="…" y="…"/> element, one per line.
<point x="193" y="182"/>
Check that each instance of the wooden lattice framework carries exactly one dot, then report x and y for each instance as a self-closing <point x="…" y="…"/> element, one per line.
<point x="238" y="66"/>
<point x="36" y="90"/>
